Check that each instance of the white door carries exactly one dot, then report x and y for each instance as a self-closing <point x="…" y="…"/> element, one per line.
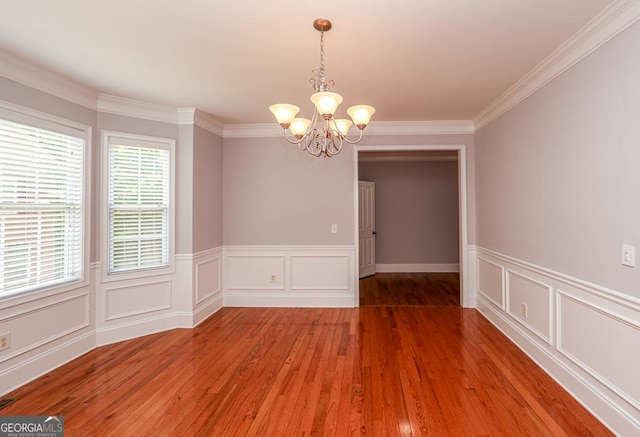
<point x="366" y="228"/>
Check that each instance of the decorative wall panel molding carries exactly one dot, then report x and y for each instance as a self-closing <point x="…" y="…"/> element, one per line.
<point x="595" y="344"/>
<point x="44" y="323"/>
<point x="208" y="278"/>
<point x="207" y="285"/>
<point x="491" y="281"/>
<point x="135" y="299"/>
<point x="584" y="335"/>
<point x="255" y="271"/>
<point x="531" y="303"/>
<point x="319" y="272"/>
<point x="289" y="276"/>
<point x="45" y="333"/>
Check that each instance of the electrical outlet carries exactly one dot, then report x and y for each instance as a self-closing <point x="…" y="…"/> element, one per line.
<point x="274" y="278"/>
<point x="5" y="341"/>
<point x="525" y="310"/>
<point x="334" y="229"/>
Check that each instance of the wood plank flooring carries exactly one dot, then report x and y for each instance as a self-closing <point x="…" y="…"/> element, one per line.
<point x="369" y="371"/>
<point x="422" y="289"/>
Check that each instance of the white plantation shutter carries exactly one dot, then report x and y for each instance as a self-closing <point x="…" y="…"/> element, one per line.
<point x="138" y="203"/>
<point x="41" y="211"/>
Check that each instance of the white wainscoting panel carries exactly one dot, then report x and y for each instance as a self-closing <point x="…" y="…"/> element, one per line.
<point x="320" y="272"/>
<point x="603" y="343"/>
<point x="585" y="336"/>
<point x="491" y="281"/>
<point x="255" y="272"/>
<point x="208" y="278"/>
<point x="44" y="323"/>
<point x="305" y="276"/>
<point x="187" y="295"/>
<point x="46" y="331"/>
<point x="530" y="302"/>
<point x="135" y="299"/>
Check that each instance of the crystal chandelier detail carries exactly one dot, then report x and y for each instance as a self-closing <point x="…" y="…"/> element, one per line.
<point x="327" y="140"/>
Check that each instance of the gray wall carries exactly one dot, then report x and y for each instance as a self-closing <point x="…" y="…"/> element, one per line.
<point x="416" y="211"/>
<point x="207" y="190"/>
<point x="557" y="177"/>
<point x="274" y="194"/>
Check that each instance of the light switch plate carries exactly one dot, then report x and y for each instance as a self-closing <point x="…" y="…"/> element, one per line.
<point x="628" y="255"/>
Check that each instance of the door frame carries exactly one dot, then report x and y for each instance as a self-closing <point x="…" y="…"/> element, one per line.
<point x="460" y="149"/>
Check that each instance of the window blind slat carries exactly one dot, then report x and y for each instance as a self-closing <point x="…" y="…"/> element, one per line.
<point x="41" y="215"/>
<point x="138" y="199"/>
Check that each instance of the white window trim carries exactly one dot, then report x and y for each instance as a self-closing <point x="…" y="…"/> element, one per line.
<point x="104" y="216"/>
<point x="32" y="117"/>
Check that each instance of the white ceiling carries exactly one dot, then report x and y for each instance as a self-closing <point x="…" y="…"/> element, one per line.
<point x="414" y="60"/>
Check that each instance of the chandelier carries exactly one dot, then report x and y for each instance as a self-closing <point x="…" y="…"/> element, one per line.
<point x="327" y="140"/>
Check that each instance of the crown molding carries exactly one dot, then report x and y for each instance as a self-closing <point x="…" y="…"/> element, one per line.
<point x="434" y="127"/>
<point x="618" y="16"/>
<point x="262" y="130"/>
<point x="127" y="107"/>
<point x="209" y="123"/>
<point x="194" y="116"/>
<point x="440" y="127"/>
<point x="21" y="71"/>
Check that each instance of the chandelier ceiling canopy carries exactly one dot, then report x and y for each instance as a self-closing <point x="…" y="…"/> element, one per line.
<point x="326" y="140"/>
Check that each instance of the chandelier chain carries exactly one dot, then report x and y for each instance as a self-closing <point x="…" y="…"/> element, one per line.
<point x="322" y="51"/>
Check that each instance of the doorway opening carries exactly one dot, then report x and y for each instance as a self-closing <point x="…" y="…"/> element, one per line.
<point x="407" y="153"/>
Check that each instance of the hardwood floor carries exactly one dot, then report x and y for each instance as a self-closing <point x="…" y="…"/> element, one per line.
<point x="423" y="289"/>
<point x="377" y="371"/>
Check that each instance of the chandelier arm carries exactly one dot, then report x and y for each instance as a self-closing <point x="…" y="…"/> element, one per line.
<point x="314" y="148"/>
<point x="296" y="141"/>
<point x="335" y="149"/>
<point x="312" y="140"/>
<point x="353" y="142"/>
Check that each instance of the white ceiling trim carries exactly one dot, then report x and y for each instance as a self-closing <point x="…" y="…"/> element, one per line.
<point x="440" y="127"/>
<point x="138" y="109"/>
<point x="18" y="70"/>
<point x="262" y="130"/>
<point x="606" y="25"/>
<point x="436" y="127"/>
<point x="208" y="122"/>
<point x="194" y="116"/>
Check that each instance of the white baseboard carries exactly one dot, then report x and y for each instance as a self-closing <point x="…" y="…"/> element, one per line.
<point x="207" y="309"/>
<point x="135" y="328"/>
<point x="42" y="363"/>
<point x="583" y="335"/>
<point x="417" y="268"/>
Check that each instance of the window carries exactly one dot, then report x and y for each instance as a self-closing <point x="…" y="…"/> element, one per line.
<point x="139" y="216"/>
<point x="42" y="220"/>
